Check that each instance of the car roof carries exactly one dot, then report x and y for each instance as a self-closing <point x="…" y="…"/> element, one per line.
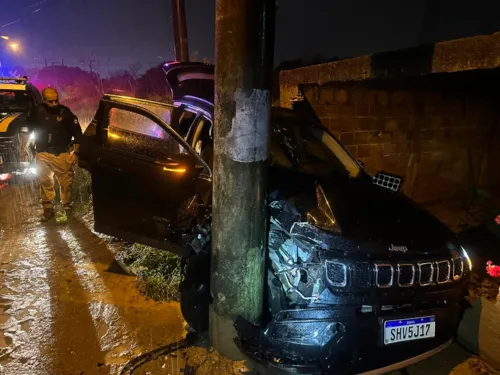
<point x="13" y="83"/>
<point x="16" y="84"/>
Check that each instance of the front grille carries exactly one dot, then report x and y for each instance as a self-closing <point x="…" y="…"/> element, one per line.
<point x="360" y="275"/>
<point x="336" y="273"/>
<point x="406" y="275"/>
<point x="422" y="274"/>
<point x="443" y="271"/>
<point x="458" y="268"/>
<point x="388" y="275"/>
<point x="426" y="273"/>
<point x="384" y="275"/>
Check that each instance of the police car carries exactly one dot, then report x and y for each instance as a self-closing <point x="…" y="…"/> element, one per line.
<point x="17" y="98"/>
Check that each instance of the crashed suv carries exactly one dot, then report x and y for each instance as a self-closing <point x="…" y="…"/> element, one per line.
<point x="17" y="98"/>
<point x="359" y="278"/>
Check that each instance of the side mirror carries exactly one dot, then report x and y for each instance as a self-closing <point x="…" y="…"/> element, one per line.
<point x="182" y="164"/>
<point x="388" y="181"/>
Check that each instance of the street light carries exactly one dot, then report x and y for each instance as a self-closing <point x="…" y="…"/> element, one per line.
<point x="14" y="46"/>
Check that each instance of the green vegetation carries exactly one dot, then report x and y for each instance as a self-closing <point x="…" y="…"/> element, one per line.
<point x="158" y="272"/>
<point x="82" y="192"/>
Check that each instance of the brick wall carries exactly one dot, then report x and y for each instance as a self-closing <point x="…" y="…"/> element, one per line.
<point x="436" y="132"/>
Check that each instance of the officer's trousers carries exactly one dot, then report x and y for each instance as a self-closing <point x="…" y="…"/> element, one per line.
<point x="48" y="166"/>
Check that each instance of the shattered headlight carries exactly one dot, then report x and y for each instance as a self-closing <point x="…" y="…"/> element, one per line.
<point x="322" y="220"/>
<point x="322" y="216"/>
<point x="295" y="241"/>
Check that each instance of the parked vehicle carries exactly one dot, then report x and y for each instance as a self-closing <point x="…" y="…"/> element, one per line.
<point x="17" y="97"/>
<point x="359" y="278"/>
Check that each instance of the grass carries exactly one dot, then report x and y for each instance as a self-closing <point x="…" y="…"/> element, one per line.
<point x="82" y="191"/>
<point x="158" y="272"/>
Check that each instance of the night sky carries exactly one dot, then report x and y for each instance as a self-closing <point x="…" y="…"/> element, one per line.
<point x="119" y="33"/>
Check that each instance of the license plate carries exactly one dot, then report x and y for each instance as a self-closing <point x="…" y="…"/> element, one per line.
<point x="409" y="329"/>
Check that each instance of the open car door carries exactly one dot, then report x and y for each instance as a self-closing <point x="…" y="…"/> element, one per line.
<point x="144" y="174"/>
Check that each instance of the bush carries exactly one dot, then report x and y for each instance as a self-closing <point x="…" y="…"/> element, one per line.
<point x="82" y="191"/>
<point x="158" y="272"/>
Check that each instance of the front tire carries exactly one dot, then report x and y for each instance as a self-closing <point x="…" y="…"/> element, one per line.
<point x="195" y="292"/>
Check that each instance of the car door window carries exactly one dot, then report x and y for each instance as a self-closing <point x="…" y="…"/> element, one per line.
<point x="201" y="140"/>
<point x="185" y="121"/>
<point x="161" y="110"/>
<point x="137" y="134"/>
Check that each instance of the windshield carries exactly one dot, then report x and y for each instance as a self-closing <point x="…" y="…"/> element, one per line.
<point x="14" y="100"/>
<point x="309" y="149"/>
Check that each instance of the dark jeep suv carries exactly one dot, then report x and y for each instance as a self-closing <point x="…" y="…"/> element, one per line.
<point x="359" y="278"/>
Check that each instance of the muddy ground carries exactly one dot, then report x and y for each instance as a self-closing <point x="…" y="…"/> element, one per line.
<point x="67" y="308"/>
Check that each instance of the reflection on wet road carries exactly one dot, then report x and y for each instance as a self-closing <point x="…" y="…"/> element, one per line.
<point x="62" y="309"/>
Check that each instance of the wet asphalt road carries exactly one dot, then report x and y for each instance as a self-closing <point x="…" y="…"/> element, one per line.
<point x="62" y="309"/>
<point x="65" y="308"/>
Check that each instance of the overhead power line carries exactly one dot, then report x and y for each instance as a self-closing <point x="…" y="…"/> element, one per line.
<point x="33" y="8"/>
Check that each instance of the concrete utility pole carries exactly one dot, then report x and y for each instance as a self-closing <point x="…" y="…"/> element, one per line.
<point x="244" y="50"/>
<point x="180" y="30"/>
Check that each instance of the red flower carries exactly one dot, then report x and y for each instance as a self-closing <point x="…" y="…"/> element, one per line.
<point x="497" y="220"/>
<point x="492" y="269"/>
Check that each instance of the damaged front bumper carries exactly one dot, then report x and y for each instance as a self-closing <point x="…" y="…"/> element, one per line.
<point x="344" y="340"/>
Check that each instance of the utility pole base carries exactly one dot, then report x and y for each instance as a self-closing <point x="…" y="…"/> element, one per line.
<point x="222" y="334"/>
<point x="244" y="36"/>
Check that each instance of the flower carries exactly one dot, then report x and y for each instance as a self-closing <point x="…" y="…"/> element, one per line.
<point x="497" y="220"/>
<point x="492" y="269"/>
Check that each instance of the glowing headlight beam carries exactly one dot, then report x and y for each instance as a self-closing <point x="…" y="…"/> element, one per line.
<point x="466" y="255"/>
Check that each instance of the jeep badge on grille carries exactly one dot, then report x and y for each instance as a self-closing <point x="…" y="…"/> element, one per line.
<point x="400" y="249"/>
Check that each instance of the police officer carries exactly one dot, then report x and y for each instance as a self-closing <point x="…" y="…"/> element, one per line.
<point x="54" y="126"/>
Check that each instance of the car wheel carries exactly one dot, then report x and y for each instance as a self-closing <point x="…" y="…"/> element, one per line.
<point x="195" y="292"/>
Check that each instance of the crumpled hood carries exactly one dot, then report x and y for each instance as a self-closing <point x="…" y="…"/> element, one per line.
<point x="371" y="213"/>
<point x="377" y="220"/>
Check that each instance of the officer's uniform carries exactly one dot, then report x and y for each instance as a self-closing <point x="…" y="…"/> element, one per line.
<point x="54" y="129"/>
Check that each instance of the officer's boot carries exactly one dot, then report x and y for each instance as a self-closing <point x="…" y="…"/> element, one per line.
<point x="48" y="213"/>
<point x="68" y="208"/>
